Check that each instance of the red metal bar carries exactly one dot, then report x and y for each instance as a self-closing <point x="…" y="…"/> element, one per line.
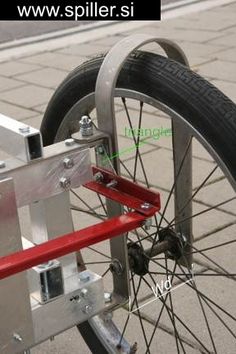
<point x="124" y="192"/>
<point x="75" y="241"/>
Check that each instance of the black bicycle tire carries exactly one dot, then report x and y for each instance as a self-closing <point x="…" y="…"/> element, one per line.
<point x="200" y="103"/>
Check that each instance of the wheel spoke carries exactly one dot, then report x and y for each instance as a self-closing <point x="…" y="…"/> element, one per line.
<point x="194" y="285"/>
<point x="200" y="293"/>
<point x="175" y="181"/>
<point x="204" y="211"/>
<point x="139" y="316"/>
<point x="86" y="204"/>
<point x="210" y="259"/>
<point x="96" y="215"/>
<point x="213" y="247"/>
<point x="130" y="309"/>
<point x="137" y="143"/>
<point x="211" y="308"/>
<point x="172" y="310"/>
<point x="195" y="193"/>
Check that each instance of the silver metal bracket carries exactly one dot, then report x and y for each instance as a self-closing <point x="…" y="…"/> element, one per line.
<point x="20" y="140"/>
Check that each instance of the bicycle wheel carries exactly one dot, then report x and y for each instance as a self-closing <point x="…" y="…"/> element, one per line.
<point x="154" y="92"/>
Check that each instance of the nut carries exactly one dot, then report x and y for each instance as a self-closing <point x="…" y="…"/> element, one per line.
<point x="69" y="142"/>
<point x="17" y="337"/>
<point x="84" y="276"/>
<point x="112" y="183"/>
<point x="68" y="163"/>
<point x="86" y="126"/>
<point x="87" y="309"/>
<point x="98" y="177"/>
<point x="65" y="182"/>
<point x="116" y="267"/>
<point x="24" y="129"/>
<point x="2" y="164"/>
<point x="107" y="297"/>
<point x="145" y="206"/>
<point x="147" y="224"/>
<point x="100" y="150"/>
<point x="84" y="293"/>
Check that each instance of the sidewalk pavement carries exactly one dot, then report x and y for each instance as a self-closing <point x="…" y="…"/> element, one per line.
<point x="209" y="41"/>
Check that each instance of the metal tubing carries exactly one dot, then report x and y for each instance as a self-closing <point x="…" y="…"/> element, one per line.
<point x="23" y="260"/>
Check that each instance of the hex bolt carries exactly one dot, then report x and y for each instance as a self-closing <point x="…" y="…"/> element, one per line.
<point x="145" y="206"/>
<point x="84" y="277"/>
<point x="100" y="150"/>
<point x="2" y="164"/>
<point x="107" y="316"/>
<point x="87" y="309"/>
<point x="68" y="163"/>
<point x="147" y="224"/>
<point x="184" y="239"/>
<point x="116" y="267"/>
<point x="86" y="126"/>
<point x="25" y="129"/>
<point x="65" y="183"/>
<point x="98" y="177"/>
<point x="112" y="183"/>
<point x="107" y="297"/>
<point x="69" y="142"/>
<point x="84" y="293"/>
<point x="17" y="337"/>
<point x="134" y="348"/>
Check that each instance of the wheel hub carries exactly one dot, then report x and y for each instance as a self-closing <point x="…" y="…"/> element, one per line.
<point x="169" y="243"/>
<point x="138" y="260"/>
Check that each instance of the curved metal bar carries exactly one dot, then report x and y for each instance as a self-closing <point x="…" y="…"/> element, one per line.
<point x="109" y="71"/>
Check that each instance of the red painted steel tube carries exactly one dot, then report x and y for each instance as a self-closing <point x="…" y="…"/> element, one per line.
<point x="23" y="260"/>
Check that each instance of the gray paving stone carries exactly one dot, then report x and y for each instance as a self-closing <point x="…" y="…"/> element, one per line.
<point x="15" y="112"/>
<point x="226" y="40"/>
<point x="180" y="34"/>
<point x="12" y="68"/>
<point x="41" y="108"/>
<point x="28" y="97"/>
<point x="7" y="83"/>
<point x="85" y="50"/>
<point x="55" y="60"/>
<point x="34" y="122"/>
<point x="219" y="69"/>
<point x="227" y="55"/>
<point x="219" y="192"/>
<point x="109" y="40"/>
<point x="69" y="340"/>
<point x="197" y="49"/>
<point x="200" y="24"/>
<point x="228" y="88"/>
<point x="47" y="77"/>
